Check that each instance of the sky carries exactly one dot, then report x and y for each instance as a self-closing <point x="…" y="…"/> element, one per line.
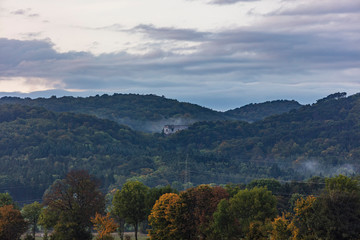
<point x="220" y="54"/>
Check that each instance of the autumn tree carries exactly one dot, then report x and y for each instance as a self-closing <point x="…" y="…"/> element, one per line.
<point x="77" y="198"/>
<point x="196" y="212"/>
<point x="31" y="213"/>
<point x="130" y="204"/>
<point x="104" y="225"/>
<point x="12" y="224"/>
<point x="162" y="218"/>
<point x="303" y="221"/>
<point x="282" y="227"/>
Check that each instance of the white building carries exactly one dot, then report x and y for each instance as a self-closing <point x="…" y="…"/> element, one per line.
<point x="170" y="129"/>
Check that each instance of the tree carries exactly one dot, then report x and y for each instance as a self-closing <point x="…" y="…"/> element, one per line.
<point x="281" y="227"/>
<point x="337" y="210"/>
<point x="195" y="214"/>
<point x="162" y="218"/>
<point x="104" y="225"/>
<point x="6" y="199"/>
<point x="31" y="213"/>
<point x="129" y="203"/>
<point x="12" y="224"/>
<point x="303" y="221"/>
<point x="47" y="219"/>
<point x="77" y="198"/>
<point x="224" y="226"/>
<point x="255" y="205"/>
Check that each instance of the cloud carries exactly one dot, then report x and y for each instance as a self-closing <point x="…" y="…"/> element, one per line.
<point x="171" y="33"/>
<point x="27" y="12"/>
<point x="308" y="7"/>
<point x="228" y="2"/>
<point x="281" y="56"/>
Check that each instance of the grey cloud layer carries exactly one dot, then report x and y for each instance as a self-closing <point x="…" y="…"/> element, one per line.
<point x="314" y="51"/>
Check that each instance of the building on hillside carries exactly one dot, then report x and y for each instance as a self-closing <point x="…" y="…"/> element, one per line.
<point x="171" y="129"/>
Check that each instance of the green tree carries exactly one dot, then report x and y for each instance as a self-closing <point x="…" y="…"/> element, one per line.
<point x="224" y="226"/>
<point x="77" y="198"/>
<point x="47" y="219"/>
<point x="337" y="210"/>
<point x="257" y="204"/>
<point x="31" y="213"/>
<point x="6" y="199"/>
<point x="12" y="224"/>
<point x="130" y="204"/>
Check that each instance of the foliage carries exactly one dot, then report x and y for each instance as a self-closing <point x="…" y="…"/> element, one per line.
<point x="104" y="225"/>
<point x="38" y="146"/>
<point x="196" y="211"/>
<point x="6" y="199"/>
<point x="304" y="218"/>
<point x="224" y="226"/>
<point x="12" y="224"/>
<point x="162" y="218"/>
<point x="282" y="227"/>
<point x="31" y="213"/>
<point x="342" y="183"/>
<point x="48" y="219"/>
<point x="255" y="205"/>
<point x="77" y="198"/>
<point x="130" y="203"/>
<point x="259" y="111"/>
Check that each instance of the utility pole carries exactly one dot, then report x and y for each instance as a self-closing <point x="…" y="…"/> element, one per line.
<point x="187" y="173"/>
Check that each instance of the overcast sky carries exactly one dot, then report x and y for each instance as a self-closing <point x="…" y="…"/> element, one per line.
<point x="220" y="54"/>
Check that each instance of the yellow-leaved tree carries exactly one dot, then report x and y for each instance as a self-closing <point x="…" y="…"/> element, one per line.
<point x="104" y="225"/>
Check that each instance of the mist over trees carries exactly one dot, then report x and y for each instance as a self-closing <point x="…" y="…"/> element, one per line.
<point x="38" y="146"/>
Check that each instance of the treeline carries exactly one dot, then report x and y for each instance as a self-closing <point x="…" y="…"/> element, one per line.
<point x="150" y="113"/>
<point x="38" y="146"/>
<point x="74" y="207"/>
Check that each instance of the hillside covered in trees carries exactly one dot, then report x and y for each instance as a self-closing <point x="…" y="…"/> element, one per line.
<point x="150" y="113"/>
<point x="38" y="146"/>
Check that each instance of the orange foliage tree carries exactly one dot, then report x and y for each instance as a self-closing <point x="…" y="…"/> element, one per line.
<point x="162" y="217"/>
<point x="12" y="224"/>
<point x="104" y="225"/>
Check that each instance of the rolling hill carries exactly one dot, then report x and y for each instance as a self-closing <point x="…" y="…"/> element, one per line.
<point x="38" y="146"/>
<point x="149" y="113"/>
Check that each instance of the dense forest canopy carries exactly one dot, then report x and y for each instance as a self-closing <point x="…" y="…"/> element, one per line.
<point x="150" y="112"/>
<point x="39" y="146"/>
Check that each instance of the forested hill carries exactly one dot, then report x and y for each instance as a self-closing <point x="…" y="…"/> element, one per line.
<point x="38" y="146"/>
<point x="322" y="138"/>
<point x="147" y="113"/>
<point x="259" y="111"/>
<point x="150" y="113"/>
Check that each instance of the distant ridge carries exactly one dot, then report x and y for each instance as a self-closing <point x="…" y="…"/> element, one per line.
<point x="150" y="113"/>
<point x="258" y="111"/>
